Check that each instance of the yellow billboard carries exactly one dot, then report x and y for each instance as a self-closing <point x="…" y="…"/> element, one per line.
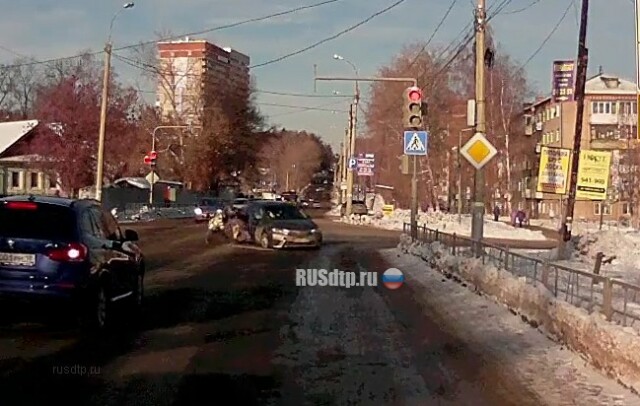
<point x="553" y="174"/>
<point x="593" y="175"/>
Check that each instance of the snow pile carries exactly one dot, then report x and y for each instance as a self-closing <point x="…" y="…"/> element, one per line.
<point x="614" y="349"/>
<point x="623" y="247"/>
<point x="335" y="211"/>
<point x="150" y="214"/>
<point x="448" y="223"/>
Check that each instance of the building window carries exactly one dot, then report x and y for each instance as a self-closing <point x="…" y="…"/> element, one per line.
<point x="604" y="107"/>
<point x="52" y="182"/>
<point x="626" y="209"/>
<point x="606" y="209"/>
<point x="15" y="179"/>
<point x="33" y="180"/>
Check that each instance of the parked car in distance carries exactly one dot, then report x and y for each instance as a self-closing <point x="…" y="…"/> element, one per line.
<point x="56" y="251"/>
<point x="282" y="225"/>
<point x="358" y="207"/>
<point x="207" y="208"/>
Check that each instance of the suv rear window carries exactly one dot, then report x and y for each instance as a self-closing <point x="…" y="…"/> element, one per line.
<point x="45" y="222"/>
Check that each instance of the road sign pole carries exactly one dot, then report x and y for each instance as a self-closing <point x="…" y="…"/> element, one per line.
<point x="352" y="150"/>
<point x="477" y="223"/>
<point x="414" y="199"/>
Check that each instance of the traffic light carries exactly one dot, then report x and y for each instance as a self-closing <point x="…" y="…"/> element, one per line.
<point x="151" y="158"/>
<point x="412" y="109"/>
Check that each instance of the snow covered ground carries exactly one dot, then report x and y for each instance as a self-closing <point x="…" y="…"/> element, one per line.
<point x="580" y="227"/>
<point x="555" y="375"/>
<point x="448" y="223"/>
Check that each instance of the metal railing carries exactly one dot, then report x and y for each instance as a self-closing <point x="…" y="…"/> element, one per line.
<point x="617" y="300"/>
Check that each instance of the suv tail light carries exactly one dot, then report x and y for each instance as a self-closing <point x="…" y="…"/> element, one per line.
<point x="74" y="252"/>
<point x="21" y="205"/>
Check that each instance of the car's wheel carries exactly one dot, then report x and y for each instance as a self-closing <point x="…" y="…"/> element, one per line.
<point x="97" y="315"/>
<point x="265" y="241"/>
<point x="138" y="292"/>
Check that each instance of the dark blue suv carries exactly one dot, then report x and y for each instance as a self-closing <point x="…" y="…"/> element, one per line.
<point x="64" y="251"/>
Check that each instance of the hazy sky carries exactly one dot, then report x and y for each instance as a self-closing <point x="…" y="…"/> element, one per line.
<point x="48" y="29"/>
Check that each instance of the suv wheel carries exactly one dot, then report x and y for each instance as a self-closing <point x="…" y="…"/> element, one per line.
<point x="97" y="316"/>
<point x="138" y="293"/>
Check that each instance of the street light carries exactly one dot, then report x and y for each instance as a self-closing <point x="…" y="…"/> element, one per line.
<point x="105" y="101"/>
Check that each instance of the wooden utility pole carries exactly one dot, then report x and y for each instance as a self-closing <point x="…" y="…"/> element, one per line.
<point x="477" y="223"/>
<point x="581" y="79"/>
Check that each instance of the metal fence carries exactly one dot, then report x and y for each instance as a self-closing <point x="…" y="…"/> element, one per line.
<point x="617" y="300"/>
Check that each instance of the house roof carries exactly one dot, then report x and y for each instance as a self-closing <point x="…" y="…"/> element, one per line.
<point x="12" y="131"/>
<point x="604" y="83"/>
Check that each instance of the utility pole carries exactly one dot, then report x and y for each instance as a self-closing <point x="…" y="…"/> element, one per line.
<point x="477" y="223"/>
<point x="581" y="79"/>
<point x="459" y="166"/>
<point x="345" y="167"/>
<point x="104" y="103"/>
<point x="351" y="152"/>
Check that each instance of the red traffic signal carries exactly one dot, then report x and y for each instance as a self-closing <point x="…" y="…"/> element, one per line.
<point x="153" y="155"/>
<point x="147" y="160"/>
<point x="415" y="94"/>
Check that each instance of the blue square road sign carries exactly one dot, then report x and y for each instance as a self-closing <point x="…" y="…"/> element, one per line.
<point x="416" y="142"/>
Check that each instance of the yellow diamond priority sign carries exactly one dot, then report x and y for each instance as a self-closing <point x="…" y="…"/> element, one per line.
<point x="478" y="151"/>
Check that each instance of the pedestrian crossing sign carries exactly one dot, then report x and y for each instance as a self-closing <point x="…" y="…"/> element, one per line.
<point x="415" y="142"/>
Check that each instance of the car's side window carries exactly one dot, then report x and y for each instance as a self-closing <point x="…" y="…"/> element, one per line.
<point x="87" y="224"/>
<point x="111" y="226"/>
<point x="97" y="225"/>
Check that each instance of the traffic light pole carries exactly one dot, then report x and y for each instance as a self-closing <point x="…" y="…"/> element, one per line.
<point x="153" y="148"/>
<point x="477" y="222"/>
<point x="414" y="198"/>
<point x="351" y="153"/>
<point x="352" y="126"/>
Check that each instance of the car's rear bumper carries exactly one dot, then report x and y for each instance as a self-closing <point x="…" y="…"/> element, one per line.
<point x="38" y="293"/>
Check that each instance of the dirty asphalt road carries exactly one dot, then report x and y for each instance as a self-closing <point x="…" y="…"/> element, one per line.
<point x="225" y="325"/>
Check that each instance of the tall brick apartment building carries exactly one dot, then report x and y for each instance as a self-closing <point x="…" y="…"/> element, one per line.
<point x="191" y="69"/>
<point x="610" y="124"/>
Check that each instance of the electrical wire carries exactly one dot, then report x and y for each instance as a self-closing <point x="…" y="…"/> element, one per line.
<point x="141" y="65"/>
<point x="548" y="37"/>
<point x="520" y="10"/>
<point x="330" y="38"/>
<point x="206" y="31"/>
<point x="433" y="34"/>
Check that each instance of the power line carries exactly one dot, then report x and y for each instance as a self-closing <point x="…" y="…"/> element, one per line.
<point x="206" y="31"/>
<point x="302" y="94"/>
<point x="553" y="30"/>
<point x="520" y="10"/>
<point x="141" y="65"/>
<point x="304" y="108"/>
<point x="435" y="31"/>
<point x="330" y="38"/>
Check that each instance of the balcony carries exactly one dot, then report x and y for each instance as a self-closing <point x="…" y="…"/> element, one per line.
<point x="613" y="119"/>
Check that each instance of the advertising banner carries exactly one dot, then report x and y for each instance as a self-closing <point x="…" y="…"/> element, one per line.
<point x="365" y="164"/>
<point x="593" y="175"/>
<point x="563" y="81"/>
<point x="553" y="174"/>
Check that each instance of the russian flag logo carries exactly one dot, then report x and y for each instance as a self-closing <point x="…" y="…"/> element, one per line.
<point x="392" y="278"/>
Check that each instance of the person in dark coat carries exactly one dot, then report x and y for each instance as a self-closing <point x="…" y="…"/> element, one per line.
<point x="521" y="217"/>
<point x="496" y="213"/>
